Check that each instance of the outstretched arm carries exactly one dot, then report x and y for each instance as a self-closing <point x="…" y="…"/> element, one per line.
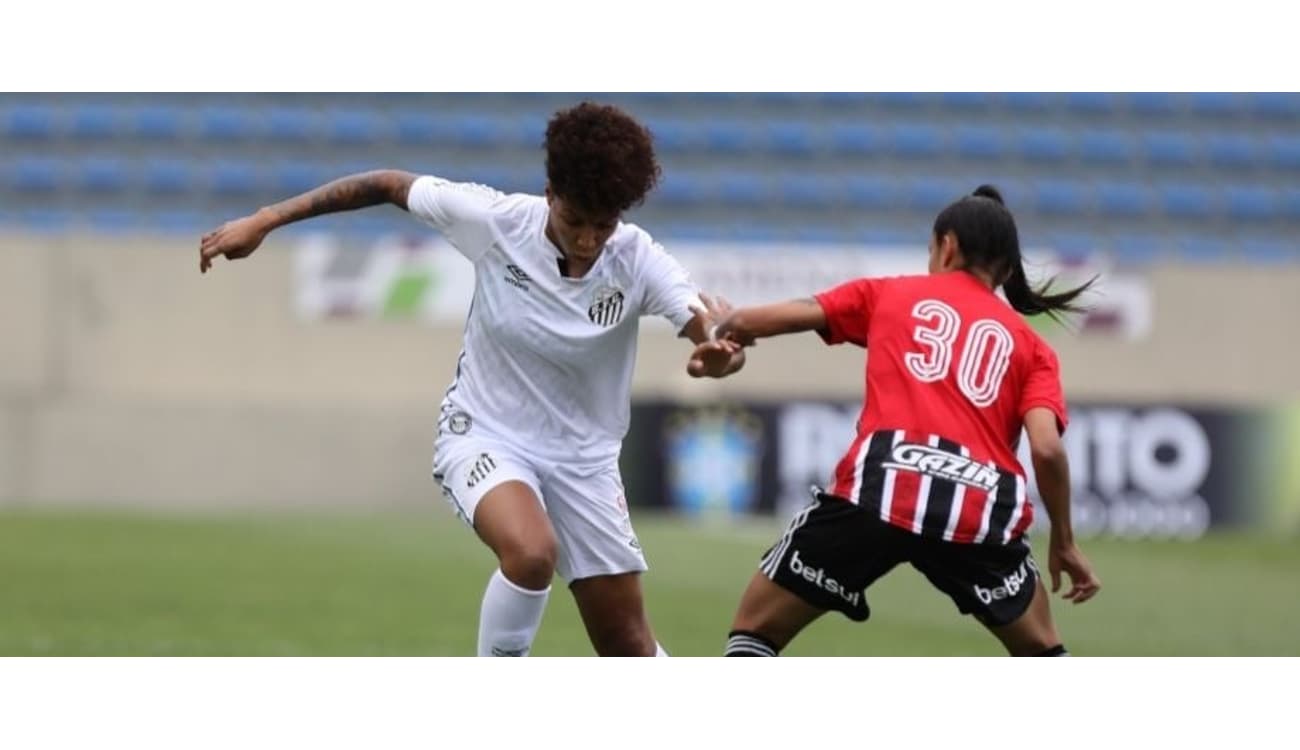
<point x="239" y="238"/>
<point x="1052" y="468"/>
<point x="749" y="323"/>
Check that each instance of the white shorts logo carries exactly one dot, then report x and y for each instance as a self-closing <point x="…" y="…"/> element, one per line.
<point x="817" y="576"/>
<point x="1011" y="586"/>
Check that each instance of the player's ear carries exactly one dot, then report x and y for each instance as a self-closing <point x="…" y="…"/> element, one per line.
<point x="949" y="252"/>
<point x="549" y="195"/>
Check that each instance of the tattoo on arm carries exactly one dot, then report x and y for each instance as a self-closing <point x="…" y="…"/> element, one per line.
<point x="345" y="194"/>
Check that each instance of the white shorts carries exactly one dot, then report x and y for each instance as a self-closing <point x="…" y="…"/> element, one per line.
<point x="586" y="504"/>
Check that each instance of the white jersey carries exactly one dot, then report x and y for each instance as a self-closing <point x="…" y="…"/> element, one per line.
<point x="547" y="360"/>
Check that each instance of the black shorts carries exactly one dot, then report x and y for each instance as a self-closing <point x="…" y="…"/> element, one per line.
<point x="833" y="550"/>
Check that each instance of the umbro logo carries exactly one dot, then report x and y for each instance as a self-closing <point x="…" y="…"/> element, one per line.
<point x="515" y="276"/>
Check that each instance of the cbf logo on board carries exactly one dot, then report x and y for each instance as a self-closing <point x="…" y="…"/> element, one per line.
<point x="607" y="309"/>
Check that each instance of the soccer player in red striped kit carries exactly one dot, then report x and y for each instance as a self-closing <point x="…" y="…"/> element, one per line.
<point x="931" y="478"/>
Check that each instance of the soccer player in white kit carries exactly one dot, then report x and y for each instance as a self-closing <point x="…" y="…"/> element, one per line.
<point x="530" y="430"/>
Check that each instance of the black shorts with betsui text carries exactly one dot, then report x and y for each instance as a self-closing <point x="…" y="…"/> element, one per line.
<point x="834" y="550"/>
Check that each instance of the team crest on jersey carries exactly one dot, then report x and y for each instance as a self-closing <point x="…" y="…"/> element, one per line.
<point x="607" y="309"/>
<point x="459" y="423"/>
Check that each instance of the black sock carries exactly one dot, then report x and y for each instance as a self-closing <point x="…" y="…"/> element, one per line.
<point x="1057" y="650"/>
<point x="746" y="643"/>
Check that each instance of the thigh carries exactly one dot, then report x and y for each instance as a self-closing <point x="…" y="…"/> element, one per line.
<point x="1033" y="632"/>
<point x="613" y="612"/>
<point x="469" y="468"/>
<point x="589" y="511"/>
<point x="993" y="582"/>
<point x="773" y="612"/>
<point x="830" y="553"/>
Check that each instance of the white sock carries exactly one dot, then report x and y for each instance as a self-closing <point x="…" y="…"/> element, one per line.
<point x="509" y="618"/>
<point x="659" y="649"/>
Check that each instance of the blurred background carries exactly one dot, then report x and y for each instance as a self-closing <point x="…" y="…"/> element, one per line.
<point x="240" y="462"/>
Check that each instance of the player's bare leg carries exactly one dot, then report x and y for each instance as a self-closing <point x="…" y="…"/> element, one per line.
<point x="768" y="618"/>
<point x="613" y="612"/>
<point x="511" y="521"/>
<point x="1034" y="633"/>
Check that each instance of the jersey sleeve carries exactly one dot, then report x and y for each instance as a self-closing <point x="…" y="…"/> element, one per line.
<point x="1043" y="386"/>
<point x="462" y="211"/>
<point x="669" y="290"/>
<point x="848" y="308"/>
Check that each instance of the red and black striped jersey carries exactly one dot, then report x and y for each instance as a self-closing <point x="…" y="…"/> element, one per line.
<point x="951" y="371"/>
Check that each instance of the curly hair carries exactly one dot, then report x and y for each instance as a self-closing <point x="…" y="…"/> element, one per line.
<point x="600" y="159"/>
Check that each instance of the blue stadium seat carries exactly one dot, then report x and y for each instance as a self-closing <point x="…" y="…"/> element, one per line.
<point x="789" y="138"/>
<point x="1186" y="200"/>
<point x="29" y="121"/>
<point x="95" y="122"/>
<point x="916" y="140"/>
<point x="966" y="101"/>
<point x="157" y="123"/>
<point x="902" y="99"/>
<point x="291" y="178"/>
<point x="102" y="175"/>
<point x="870" y="193"/>
<point x="34" y="174"/>
<point x="681" y="188"/>
<point x="354" y="127"/>
<point x="807" y="191"/>
<point x="113" y="219"/>
<point x="1217" y="104"/>
<point x="1250" y="202"/>
<point x="417" y="128"/>
<point x="1289" y="202"/>
<point x="1284" y="152"/>
<point x="1028" y="101"/>
<point x="225" y="124"/>
<point x="1154" y="103"/>
<point x="1060" y="197"/>
<point x="671" y="134"/>
<point x="43" y="219"/>
<point x="1106" y="147"/>
<point x="843" y="98"/>
<point x="1201" y="248"/>
<point x="1090" y="103"/>
<point x="478" y="131"/>
<point x="290" y="124"/>
<point x="1282" y="106"/>
<point x="1123" y="199"/>
<point x="234" y="178"/>
<point x="168" y="176"/>
<point x="725" y="137"/>
<point x="979" y="142"/>
<point x="1230" y="150"/>
<point x="1169" y="148"/>
<point x="858" y="139"/>
<point x="1047" y="145"/>
<point x="742" y="189"/>
<point x="929" y="195"/>
<point x="1270" y="250"/>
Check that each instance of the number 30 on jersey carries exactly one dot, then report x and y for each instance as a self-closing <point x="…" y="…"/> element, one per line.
<point x="985" y="356"/>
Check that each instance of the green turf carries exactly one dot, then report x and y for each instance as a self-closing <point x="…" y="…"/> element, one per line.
<point x="79" y="583"/>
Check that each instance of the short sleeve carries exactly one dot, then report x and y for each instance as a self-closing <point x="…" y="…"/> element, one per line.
<point x="669" y="290"/>
<point x="1043" y="385"/>
<point x="461" y="211"/>
<point x="848" y="308"/>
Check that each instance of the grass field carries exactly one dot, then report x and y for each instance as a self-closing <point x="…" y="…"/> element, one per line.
<point x="81" y="583"/>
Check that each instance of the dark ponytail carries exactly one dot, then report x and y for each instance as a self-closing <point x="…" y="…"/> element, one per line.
<point x="986" y="233"/>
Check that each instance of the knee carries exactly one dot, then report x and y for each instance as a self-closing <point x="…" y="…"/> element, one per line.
<point x="626" y="637"/>
<point x="530" y="564"/>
